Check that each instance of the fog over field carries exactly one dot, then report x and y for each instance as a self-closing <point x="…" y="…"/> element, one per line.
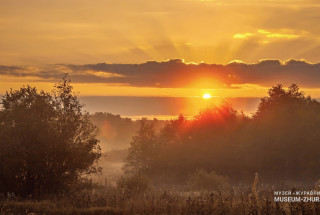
<point x="162" y="108"/>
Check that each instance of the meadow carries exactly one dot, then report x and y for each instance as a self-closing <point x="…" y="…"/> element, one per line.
<point x="174" y="200"/>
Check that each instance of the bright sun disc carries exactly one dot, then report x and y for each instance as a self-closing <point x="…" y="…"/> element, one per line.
<point x="206" y="96"/>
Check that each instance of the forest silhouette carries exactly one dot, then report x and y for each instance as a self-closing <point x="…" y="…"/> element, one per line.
<point x="49" y="146"/>
<point x="280" y="142"/>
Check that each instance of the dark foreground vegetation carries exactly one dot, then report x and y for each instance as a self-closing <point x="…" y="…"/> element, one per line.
<point x="220" y="162"/>
<point x="46" y="142"/>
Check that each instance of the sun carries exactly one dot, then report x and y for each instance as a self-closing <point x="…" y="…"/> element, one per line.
<point x="206" y="96"/>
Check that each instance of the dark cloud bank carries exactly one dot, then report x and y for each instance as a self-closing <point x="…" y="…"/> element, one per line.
<point x="175" y="73"/>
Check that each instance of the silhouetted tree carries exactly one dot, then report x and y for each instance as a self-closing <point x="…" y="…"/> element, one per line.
<point x="287" y="130"/>
<point x="47" y="141"/>
<point x="143" y="150"/>
<point x="281" y="100"/>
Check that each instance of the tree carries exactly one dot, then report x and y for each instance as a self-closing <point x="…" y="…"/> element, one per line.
<point x="143" y="150"/>
<point x="47" y="141"/>
<point x="286" y="127"/>
<point x="281" y="100"/>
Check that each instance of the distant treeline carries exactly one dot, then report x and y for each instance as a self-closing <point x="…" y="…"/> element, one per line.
<point x="280" y="142"/>
<point x="115" y="132"/>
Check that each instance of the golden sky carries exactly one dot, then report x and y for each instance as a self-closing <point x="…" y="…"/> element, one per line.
<point x="36" y="33"/>
<point x="126" y="31"/>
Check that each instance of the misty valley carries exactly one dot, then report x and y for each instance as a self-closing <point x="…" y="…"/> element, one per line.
<point x="56" y="158"/>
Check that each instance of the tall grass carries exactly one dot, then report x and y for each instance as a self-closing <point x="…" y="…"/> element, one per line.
<point x="244" y="200"/>
<point x="160" y="201"/>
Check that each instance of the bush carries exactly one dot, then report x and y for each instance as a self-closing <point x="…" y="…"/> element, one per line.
<point x="203" y="180"/>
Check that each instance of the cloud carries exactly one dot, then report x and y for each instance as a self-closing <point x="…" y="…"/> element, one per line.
<point x="287" y="36"/>
<point x="264" y="34"/>
<point x="178" y="74"/>
<point x="280" y="35"/>
<point x="242" y="36"/>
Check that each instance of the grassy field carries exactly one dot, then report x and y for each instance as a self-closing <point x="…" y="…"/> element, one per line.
<point x="160" y="201"/>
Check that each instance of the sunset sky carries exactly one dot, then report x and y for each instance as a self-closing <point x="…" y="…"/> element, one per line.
<point x="168" y="48"/>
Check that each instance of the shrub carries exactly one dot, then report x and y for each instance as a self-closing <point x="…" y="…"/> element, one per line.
<point x="203" y="180"/>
